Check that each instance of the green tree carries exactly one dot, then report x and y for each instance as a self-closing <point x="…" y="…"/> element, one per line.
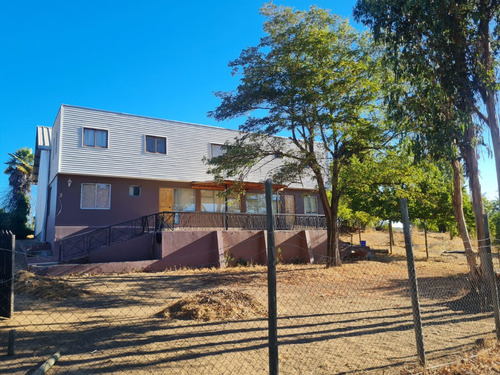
<point x="437" y="49"/>
<point x="20" y="171"/>
<point x="316" y="81"/>
<point x="458" y="40"/>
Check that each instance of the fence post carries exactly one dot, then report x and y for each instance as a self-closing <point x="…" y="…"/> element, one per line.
<point x="7" y="262"/>
<point x="492" y="277"/>
<point x="412" y="276"/>
<point x="271" y="283"/>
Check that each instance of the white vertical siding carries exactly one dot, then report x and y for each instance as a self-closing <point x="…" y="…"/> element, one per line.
<point x="55" y="156"/>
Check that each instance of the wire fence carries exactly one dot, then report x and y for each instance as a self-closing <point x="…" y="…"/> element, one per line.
<point x="352" y="319"/>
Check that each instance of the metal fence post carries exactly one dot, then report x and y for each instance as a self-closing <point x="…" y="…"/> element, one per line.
<point x="492" y="277"/>
<point x="271" y="283"/>
<point x="412" y="276"/>
<point x="7" y="261"/>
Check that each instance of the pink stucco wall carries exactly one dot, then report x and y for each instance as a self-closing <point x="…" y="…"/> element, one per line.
<point x="199" y="249"/>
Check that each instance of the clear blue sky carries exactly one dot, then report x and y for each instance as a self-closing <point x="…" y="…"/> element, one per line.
<point x="154" y="58"/>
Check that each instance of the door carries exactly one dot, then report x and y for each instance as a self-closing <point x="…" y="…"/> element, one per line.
<point x="290" y="209"/>
<point x="166" y="200"/>
<point x="166" y="203"/>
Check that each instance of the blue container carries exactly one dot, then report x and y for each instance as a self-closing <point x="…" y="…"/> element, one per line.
<point x="362" y="243"/>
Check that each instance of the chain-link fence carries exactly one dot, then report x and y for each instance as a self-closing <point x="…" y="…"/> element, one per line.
<point x="356" y="318"/>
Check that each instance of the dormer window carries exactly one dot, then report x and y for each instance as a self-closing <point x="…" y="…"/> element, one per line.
<point x="95" y="138"/>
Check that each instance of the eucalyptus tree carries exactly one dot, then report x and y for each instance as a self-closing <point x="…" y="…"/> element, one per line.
<point x="437" y="50"/>
<point x="458" y="40"/>
<point x="317" y="82"/>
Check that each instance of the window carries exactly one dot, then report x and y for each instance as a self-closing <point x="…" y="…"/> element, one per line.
<point x="96" y="196"/>
<point x="310" y="204"/>
<point x="156" y="145"/>
<point x="212" y="202"/>
<point x="134" y="190"/>
<point x="216" y="150"/>
<point x="256" y="203"/>
<point x="95" y="138"/>
<point x="184" y="200"/>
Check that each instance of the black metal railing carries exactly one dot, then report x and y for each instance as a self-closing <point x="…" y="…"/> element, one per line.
<point x="81" y="245"/>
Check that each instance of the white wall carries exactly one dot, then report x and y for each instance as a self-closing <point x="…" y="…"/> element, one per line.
<point x="41" y="195"/>
<point x="125" y="156"/>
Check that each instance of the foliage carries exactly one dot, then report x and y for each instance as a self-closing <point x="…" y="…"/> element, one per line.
<point x="17" y="202"/>
<point x="493" y="210"/>
<point x="316" y="81"/>
<point x="455" y="45"/>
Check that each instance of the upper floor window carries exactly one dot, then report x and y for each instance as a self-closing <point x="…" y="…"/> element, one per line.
<point x="96" y="196"/>
<point x="216" y="150"/>
<point x="156" y="145"/>
<point x="95" y="138"/>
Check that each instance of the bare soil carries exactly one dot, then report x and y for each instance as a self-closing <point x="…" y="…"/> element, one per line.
<point x="353" y="319"/>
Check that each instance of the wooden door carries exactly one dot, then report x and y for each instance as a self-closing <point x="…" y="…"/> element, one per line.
<point x="166" y="202"/>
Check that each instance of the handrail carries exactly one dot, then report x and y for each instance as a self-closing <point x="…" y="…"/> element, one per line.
<point x="81" y="245"/>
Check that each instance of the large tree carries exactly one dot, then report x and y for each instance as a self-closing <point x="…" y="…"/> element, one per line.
<point x="316" y="81"/>
<point x="439" y="49"/>
<point x="17" y="201"/>
<point x="458" y="40"/>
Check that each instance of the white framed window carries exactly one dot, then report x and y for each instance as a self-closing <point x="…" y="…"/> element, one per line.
<point x="95" y="196"/>
<point x="156" y="145"/>
<point x="216" y="150"/>
<point x="95" y="138"/>
<point x="310" y="204"/>
<point x="134" y="190"/>
<point x="184" y="200"/>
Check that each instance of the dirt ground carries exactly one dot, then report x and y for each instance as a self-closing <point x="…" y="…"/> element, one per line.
<point x="353" y="319"/>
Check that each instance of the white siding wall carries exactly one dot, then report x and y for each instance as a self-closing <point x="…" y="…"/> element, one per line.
<point x="55" y="156"/>
<point x="125" y="156"/>
<point x="41" y="194"/>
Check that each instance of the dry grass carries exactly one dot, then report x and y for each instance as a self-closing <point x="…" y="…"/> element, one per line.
<point x="483" y="360"/>
<point x="213" y="305"/>
<point x="48" y="288"/>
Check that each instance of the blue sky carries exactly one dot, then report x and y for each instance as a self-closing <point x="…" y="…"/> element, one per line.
<point x="153" y="58"/>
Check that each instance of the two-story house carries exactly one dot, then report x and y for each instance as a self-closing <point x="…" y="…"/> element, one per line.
<point x="96" y="168"/>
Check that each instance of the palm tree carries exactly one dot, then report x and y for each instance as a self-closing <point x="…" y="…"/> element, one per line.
<point x="20" y="171"/>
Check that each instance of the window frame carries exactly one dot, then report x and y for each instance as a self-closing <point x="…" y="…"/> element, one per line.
<point x="95" y="196"/>
<point x="212" y="144"/>
<point x="96" y="130"/>
<point x="317" y="205"/>
<point x="131" y="190"/>
<point x="156" y="138"/>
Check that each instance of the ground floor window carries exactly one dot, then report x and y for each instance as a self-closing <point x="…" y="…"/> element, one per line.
<point x="184" y="200"/>
<point x="256" y="203"/>
<point x="95" y="196"/>
<point x="310" y="204"/>
<point x="212" y="202"/>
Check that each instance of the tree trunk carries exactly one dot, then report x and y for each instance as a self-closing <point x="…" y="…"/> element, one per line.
<point x="426" y="243"/>
<point x="391" y="237"/>
<point x="489" y="94"/>
<point x="458" y="211"/>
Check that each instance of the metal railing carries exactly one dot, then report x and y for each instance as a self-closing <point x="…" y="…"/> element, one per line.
<point x="79" y="246"/>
